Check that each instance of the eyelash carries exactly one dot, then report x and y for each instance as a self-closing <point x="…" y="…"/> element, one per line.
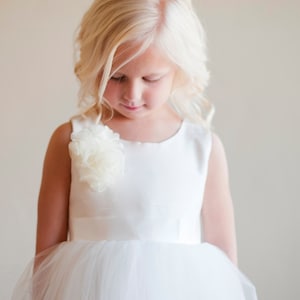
<point x="123" y="78"/>
<point x="119" y="79"/>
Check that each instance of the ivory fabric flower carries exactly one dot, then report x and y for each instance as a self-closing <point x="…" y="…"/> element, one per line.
<point x="98" y="155"/>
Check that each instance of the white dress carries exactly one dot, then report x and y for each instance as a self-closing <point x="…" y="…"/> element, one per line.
<point x="140" y="237"/>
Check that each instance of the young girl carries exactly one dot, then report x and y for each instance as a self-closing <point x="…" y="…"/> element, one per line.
<point x="134" y="202"/>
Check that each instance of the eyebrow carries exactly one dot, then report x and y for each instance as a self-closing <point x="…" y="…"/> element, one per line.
<point x="159" y="73"/>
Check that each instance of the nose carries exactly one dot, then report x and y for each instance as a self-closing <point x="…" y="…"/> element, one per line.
<point x="132" y="91"/>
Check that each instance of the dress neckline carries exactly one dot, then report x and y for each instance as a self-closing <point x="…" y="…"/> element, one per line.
<point x="164" y="141"/>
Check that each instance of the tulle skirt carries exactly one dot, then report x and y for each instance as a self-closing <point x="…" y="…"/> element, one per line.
<point x="133" y="270"/>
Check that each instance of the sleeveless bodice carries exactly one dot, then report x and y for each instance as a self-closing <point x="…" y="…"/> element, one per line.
<point x="158" y="198"/>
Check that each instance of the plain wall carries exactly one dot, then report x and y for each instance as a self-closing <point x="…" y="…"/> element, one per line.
<point x="253" y="58"/>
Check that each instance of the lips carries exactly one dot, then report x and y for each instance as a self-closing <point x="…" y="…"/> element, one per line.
<point x="131" y="107"/>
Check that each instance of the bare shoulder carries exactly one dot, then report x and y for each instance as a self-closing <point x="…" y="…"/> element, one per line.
<point x="60" y="138"/>
<point x="217" y="144"/>
<point x="62" y="133"/>
<point x="218" y="156"/>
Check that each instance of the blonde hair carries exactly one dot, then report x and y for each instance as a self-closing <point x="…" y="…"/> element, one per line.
<point x="172" y="25"/>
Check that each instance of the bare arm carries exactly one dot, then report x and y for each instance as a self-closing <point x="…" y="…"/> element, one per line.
<point x="52" y="226"/>
<point x="217" y="210"/>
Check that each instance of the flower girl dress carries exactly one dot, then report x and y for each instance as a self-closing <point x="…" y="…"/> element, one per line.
<point x="135" y="224"/>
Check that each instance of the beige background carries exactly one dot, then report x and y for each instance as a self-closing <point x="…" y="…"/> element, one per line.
<point x="254" y="51"/>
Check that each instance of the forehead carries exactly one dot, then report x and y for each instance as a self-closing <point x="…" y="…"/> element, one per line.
<point x="151" y="60"/>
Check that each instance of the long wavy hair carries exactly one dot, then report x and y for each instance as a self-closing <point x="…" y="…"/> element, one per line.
<point x="171" y="25"/>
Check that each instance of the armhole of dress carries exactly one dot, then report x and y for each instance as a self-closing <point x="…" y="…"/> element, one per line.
<point x="76" y="124"/>
<point x="210" y="145"/>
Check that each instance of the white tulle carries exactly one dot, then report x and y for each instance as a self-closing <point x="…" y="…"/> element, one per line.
<point x="134" y="270"/>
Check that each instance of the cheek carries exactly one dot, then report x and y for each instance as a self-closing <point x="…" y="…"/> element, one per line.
<point x="165" y="89"/>
<point x="158" y="94"/>
<point x="110" y="92"/>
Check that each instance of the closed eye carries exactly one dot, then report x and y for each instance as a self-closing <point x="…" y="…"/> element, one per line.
<point x="150" y="79"/>
<point x="118" y="78"/>
<point x="122" y="78"/>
